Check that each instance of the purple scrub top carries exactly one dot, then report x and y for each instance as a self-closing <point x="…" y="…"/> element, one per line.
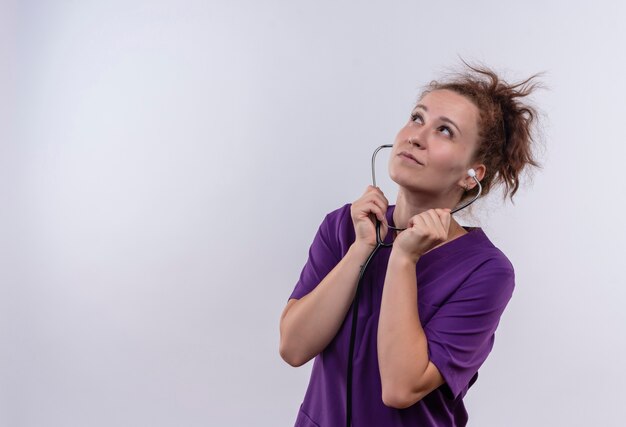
<point x="463" y="289"/>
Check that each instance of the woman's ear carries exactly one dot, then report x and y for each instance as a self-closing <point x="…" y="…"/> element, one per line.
<point x="468" y="182"/>
<point x="480" y="170"/>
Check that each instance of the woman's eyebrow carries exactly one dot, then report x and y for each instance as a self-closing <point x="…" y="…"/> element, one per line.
<point x="442" y="118"/>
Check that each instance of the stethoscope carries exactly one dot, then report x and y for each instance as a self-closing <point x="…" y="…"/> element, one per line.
<point x="379" y="244"/>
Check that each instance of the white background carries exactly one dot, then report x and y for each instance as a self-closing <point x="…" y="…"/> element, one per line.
<point x="164" y="166"/>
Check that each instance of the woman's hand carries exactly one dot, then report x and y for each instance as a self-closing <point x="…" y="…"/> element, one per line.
<point x="364" y="211"/>
<point x="424" y="232"/>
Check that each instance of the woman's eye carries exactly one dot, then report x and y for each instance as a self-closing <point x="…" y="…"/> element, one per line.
<point x="415" y="116"/>
<point x="447" y="129"/>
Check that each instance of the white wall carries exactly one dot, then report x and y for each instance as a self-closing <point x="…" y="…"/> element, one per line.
<point x="165" y="165"/>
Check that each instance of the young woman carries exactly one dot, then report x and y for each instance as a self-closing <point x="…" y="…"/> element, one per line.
<point x="429" y="305"/>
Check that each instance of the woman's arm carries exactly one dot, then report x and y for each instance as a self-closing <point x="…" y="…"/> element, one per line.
<point x="307" y="325"/>
<point x="406" y="373"/>
<point x="310" y="324"/>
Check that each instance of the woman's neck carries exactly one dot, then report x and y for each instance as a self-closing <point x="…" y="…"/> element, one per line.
<point x="409" y="205"/>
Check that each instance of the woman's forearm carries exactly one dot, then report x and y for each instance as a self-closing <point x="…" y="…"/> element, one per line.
<point x="309" y="325"/>
<point x="402" y="344"/>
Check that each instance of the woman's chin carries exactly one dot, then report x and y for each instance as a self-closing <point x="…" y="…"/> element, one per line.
<point x="408" y="185"/>
<point x="402" y="180"/>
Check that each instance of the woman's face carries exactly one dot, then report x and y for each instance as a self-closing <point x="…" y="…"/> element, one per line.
<point x="442" y="135"/>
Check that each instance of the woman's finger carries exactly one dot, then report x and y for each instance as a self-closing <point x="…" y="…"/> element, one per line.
<point x="375" y="192"/>
<point x="371" y="206"/>
<point x="381" y="200"/>
<point x="446" y="218"/>
<point x="379" y="193"/>
<point x="416" y="221"/>
<point x="439" y="229"/>
<point x="381" y="206"/>
<point x="431" y="219"/>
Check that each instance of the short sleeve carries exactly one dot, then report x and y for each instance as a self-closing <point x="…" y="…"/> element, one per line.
<point x="323" y="256"/>
<point x="461" y="333"/>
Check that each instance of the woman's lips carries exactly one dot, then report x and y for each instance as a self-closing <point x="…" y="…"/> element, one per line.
<point x="408" y="156"/>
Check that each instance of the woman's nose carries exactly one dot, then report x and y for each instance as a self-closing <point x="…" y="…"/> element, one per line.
<point x="418" y="137"/>
<point x="414" y="140"/>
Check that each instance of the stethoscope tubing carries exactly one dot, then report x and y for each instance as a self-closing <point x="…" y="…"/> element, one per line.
<point x="463" y="206"/>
